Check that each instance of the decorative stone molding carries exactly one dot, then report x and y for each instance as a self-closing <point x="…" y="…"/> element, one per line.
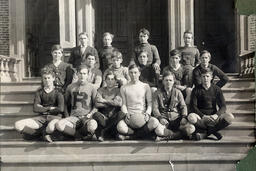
<point x="8" y="69"/>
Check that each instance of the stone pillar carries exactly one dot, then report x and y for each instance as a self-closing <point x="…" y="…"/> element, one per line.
<point x="180" y="18"/>
<point x="86" y="18"/>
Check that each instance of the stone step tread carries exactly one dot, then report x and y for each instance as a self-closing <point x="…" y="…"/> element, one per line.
<point x="225" y="140"/>
<point x="154" y="157"/>
<point x="227" y="89"/>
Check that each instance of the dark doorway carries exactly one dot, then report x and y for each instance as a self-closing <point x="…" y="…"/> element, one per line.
<point x="42" y="31"/>
<point x="125" y="18"/>
<point x="215" y="31"/>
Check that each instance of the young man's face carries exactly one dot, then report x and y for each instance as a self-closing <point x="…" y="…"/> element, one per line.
<point x="107" y="40"/>
<point x="56" y="55"/>
<point x="206" y="78"/>
<point x="110" y="81"/>
<point x="205" y="59"/>
<point x="143" y="38"/>
<point x="188" y="38"/>
<point x="82" y="75"/>
<point x="168" y="81"/>
<point x="116" y="62"/>
<point x="174" y="60"/>
<point x="83" y="39"/>
<point x="134" y="74"/>
<point x="143" y="58"/>
<point x="90" y="61"/>
<point x="48" y="80"/>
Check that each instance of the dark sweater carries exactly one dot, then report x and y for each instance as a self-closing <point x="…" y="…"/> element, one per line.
<point x="77" y="57"/>
<point x="190" y="55"/>
<point x="44" y="100"/>
<point x="204" y="102"/>
<point x="105" y="57"/>
<point x="148" y="75"/>
<point x="216" y="72"/>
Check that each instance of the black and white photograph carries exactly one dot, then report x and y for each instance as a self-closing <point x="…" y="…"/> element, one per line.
<point x="127" y="85"/>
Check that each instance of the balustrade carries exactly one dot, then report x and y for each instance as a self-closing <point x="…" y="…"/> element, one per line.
<point x="8" y="69"/>
<point x="247" y="62"/>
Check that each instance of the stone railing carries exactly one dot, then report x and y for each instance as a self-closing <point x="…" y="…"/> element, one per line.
<point x="8" y="69"/>
<point x="247" y="63"/>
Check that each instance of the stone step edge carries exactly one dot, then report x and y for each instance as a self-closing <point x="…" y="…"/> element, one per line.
<point x="226" y="140"/>
<point x="113" y="158"/>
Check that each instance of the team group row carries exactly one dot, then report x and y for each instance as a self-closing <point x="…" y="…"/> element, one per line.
<point x="77" y="100"/>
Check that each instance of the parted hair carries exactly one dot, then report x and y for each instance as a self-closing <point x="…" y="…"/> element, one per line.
<point x="47" y="71"/>
<point x="117" y="54"/>
<point x="89" y="54"/>
<point x="132" y="66"/>
<point x="110" y="73"/>
<point x="168" y="73"/>
<point x="144" y="31"/>
<point x="56" y="47"/>
<point x="187" y="32"/>
<point x="206" y="71"/>
<point x="83" y="33"/>
<point x="175" y="52"/>
<point x="108" y="34"/>
<point x="206" y="52"/>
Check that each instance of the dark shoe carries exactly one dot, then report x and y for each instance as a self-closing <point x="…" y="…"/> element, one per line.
<point x="218" y="135"/>
<point x="199" y="136"/>
<point x="121" y="137"/>
<point x="48" y="138"/>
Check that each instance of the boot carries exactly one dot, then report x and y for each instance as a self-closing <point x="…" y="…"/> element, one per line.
<point x="219" y="126"/>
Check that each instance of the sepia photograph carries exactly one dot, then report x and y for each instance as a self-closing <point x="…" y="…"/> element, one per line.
<point x="127" y="85"/>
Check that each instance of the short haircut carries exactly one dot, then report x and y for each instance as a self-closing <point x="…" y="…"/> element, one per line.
<point x="144" y="31"/>
<point x="207" y="71"/>
<point x="47" y="71"/>
<point x="89" y="54"/>
<point x="56" y="47"/>
<point x="108" y="34"/>
<point x="174" y="52"/>
<point x="205" y="52"/>
<point x="117" y="54"/>
<point x="132" y="66"/>
<point x="187" y="32"/>
<point x="110" y="73"/>
<point x="143" y="51"/>
<point x="168" y="73"/>
<point x="83" y="33"/>
<point x="81" y="67"/>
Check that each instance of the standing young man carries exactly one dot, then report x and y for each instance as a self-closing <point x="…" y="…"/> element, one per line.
<point x="204" y="101"/>
<point x="205" y="65"/>
<point x="78" y="53"/>
<point x="81" y="95"/>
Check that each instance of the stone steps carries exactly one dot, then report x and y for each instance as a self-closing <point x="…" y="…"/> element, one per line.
<point x="126" y="162"/>
<point x="236" y="128"/>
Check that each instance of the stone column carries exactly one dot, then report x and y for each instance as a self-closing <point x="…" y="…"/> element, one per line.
<point x="86" y="18"/>
<point x="180" y="18"/>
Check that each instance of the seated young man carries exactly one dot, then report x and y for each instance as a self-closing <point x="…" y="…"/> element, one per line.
<point x="49" y="104"/>
<point x="204" y="101"/>
<point x="108" y="102"/>
<point x="189" y="55"/>
<point x="81" y="95"/>
<point x="153" y="55"/>
<point x="177" y="69"/>
<point x="205" y="59"/>
<point x="94" y="74"/>
<point x="121" y="72"/>
<point x="63" y="71"/>
<point x="170" y="109"/>
<point x="148" y="74"/>
<point x="137" y="108"/>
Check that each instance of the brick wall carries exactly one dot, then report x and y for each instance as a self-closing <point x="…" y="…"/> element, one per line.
<point x="4" y="27"/>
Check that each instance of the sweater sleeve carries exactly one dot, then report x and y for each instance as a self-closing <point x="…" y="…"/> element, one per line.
<point x="95" y="53"/>
<point x="197" y="57"/>
<point x="182" y="105"/>
<point x="117" y="101"/>
<point x="156" y="57"/>
<point x="72" y="57"/>
<point x="38" y="108"/>
<point x="194" y="103"/>
<point x="222" y="76"/>
<point x="60" y="107"/>
<point x="156" y="111"/>
<point x="196" y="78"/>
<point x="220" y="102"/>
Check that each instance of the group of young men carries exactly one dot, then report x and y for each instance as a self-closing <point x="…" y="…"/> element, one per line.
<point x="94" y="97"/>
